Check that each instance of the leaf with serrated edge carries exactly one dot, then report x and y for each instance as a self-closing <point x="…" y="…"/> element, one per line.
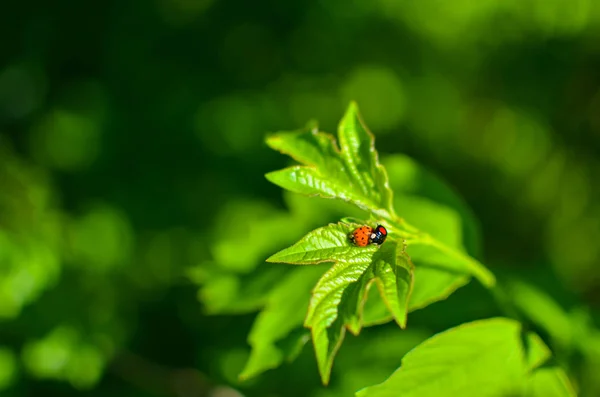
<point x="357" y="145"/>
<point x="323" y="312"/>
<point x="351" y="173"/>
<point x="395" y="281"/>
<point x="326" y="244"/>
<point x="392" y="273"/>
<point x="309" y="181"/>
<point x="339" y="296"/>
<point x="485" y="357"/>
<point x="312" y="148"/>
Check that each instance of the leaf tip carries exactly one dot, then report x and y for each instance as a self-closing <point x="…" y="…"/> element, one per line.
<point x="350" y="113"/>
<point x="249" y="373"/>
<point x="402" y="323"/>
<point x="488" y="279"/>
<point x="325" y="377"/>
<point x="270" y="176"/>
<point x="353" y="107"/>
<point x="272" y="139"/>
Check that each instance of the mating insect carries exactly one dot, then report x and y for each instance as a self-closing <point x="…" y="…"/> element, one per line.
<point x="366" y="235"/>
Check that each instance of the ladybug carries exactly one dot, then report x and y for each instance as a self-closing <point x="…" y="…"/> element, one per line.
<point x="366" y="235"/>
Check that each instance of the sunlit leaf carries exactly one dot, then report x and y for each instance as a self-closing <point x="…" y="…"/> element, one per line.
<point x="432" y="251"/>
<point x="433" y="284"/>
<point x="543" y="311"/>
<point x="411" y="180"/>
<point x="325" y="244"/>
<point x="371" y="358"/>
<point x="482" y="358"/>
<point x="351" y="172"/>
<point x="361" y="159"/>
<point x="436" y="276"/>
<point x="550" y="381"/>
<point x="338" y="299"/>
<point x="227" y="286"/>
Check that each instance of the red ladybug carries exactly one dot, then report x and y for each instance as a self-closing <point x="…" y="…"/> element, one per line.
<point x="366" y="235"/>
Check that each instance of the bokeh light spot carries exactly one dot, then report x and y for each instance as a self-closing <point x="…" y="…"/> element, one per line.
<point x="48" y="357"/>
<point x="380" y="96"/>
<point x="574" y="250"/>
<point x="85" y="367"/>
<point x="66" y="140"/>
<point x="101" y="239"/>
<point x="8" y="368"/>
<point x="229" y="124"/>
<point x="63" y="355"/>
<point x="515" y="141"/>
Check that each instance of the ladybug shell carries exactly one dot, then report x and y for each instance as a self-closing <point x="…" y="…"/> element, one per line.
<point x="362" y="236"/>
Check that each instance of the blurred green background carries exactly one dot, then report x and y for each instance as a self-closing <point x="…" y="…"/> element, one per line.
<point x="132" y="158"/>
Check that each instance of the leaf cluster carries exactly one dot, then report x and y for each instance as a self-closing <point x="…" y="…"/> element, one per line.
<point x="336" y="286"/>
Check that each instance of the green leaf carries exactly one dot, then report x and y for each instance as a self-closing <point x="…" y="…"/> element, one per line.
<point x="543" y="311"/>
<point x="311" y="182"/>
<point x="393" y="275"/>
<point x="351" y="173"/>
<point x="433" y="251"/>
<point x="409" y="179"/>
<point x="324" y="316"/>
<point x="433" y="284"/>
<point x="536" y="351"/>
<point x="226" y="285"/>
<point x="550" y="382"/>
<point x="482" y="358"/>
<point x="441" y="222"/>
<point x="431" y="205"/>
<point x="361" y="158"/>
<point x="371" y="358"/>
<point x="338" y="299"/>
<point x="326" y="244"/>
<point x="437" y="275"/>
<point x="274" y="336"/>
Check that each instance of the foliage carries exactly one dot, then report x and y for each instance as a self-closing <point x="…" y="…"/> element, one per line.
<point x="340" y="300"/>
<point x="135" y="218"/>
<point x="492" y="357"/>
